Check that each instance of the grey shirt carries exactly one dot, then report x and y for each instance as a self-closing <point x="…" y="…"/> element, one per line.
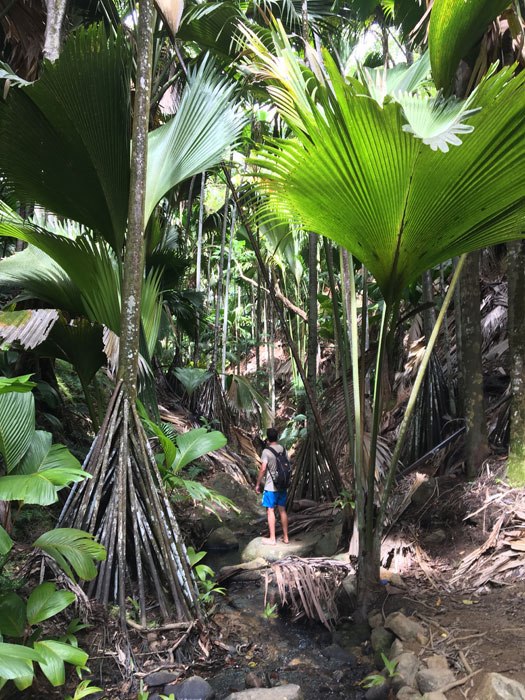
<point x="268" y="457"/>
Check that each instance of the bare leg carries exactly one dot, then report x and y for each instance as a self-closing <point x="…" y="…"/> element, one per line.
<point x="271" y="527"/>
<point x="284" y="523"/>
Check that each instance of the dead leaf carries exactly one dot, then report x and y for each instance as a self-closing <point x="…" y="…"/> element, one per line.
<point x="171" y="11"/>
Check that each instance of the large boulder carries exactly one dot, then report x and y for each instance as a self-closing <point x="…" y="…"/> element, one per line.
<point x="404" y="627"/>
<point x="243" y="496"/>
<point x="301" y="546"/>
<point x="280" y="692"/>
<point x="327" y="544"/>
<point x="494" y="686"/>
<point x="221" y="539"/>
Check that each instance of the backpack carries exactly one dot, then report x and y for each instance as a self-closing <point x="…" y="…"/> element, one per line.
<point x="283" y="470"/>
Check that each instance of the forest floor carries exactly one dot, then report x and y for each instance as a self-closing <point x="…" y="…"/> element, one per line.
<point x="460" y="552"/>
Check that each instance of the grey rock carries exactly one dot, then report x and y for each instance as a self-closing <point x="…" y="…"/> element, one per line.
<point x="407" y="666"/>
<point x="327" y="543"/>
<point x="221" y="539"/>
<point x="404" y="627"/>
<point x="396" y="649"/>
<point x="280" y="692"/>
<point x="429" y="679"/>
<point x="494" y="686"/>
<point x="407" y="693"/>
<point x="339" y="655"/>
<point x="381" y="639"/>
<point x="300" y="546"/>
<point x="154" y="696"/>
<point x="240" y="494"/>
<point x="436" y="695"/>
<point x="160" y="678"/>
<point x="438" y="662"/>
<point x="375" y="619"/>
<point x="194" y="688"/>
<point x="379" y="692"/>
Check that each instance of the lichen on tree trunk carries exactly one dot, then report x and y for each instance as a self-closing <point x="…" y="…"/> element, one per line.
<point x="56" y="11"/>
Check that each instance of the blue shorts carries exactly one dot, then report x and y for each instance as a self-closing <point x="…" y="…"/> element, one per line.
<point x="274" y="498"/>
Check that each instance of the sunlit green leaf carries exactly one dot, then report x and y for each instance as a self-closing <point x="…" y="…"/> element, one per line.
<point x="72" y="547"/>
<point x="45" y="601"/>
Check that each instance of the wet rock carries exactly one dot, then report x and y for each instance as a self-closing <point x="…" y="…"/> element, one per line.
<point x="337" y="654"/>
<point x="407" y="666"/>
<point x="404" y="627"/>
<point x="381" y="639"/>
<point x="252" y="680"/>
<point x="494" y="686"/>
<point x="379" y="692"/>
<point x="221" y="540"/>
<point x="280" y="692"/>
<point x="161" y="678"/>
<point x="351" y="634"/>
<point x="429" y="679"/>
<point x="194" y="688"/>
<point x="407" y="693"/>
<point x="300" y="546"/>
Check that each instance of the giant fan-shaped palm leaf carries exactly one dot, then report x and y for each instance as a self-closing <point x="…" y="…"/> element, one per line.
<point x="355" y="175"/>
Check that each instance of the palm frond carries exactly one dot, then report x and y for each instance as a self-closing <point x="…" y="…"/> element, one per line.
<point x="73" y="127"/>
<point x="396" y="205"/>
<point x="29" y="328"/>
<point x="195" y="139"/>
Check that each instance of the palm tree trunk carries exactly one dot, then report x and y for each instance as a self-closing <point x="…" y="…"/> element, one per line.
<point x="476" y="441"/>
<point x="56" y="12"/>
<point x="227" y="297"/>
<point x="311" y="354"/>
<point x="516" y="280"/>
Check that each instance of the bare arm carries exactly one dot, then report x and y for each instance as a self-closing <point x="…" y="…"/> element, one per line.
<point x="260" y="476"/>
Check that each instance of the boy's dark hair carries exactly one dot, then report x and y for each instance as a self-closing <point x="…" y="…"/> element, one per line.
<point x="272" y="435"/>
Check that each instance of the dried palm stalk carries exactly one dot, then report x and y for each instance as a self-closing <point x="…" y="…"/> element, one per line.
<point x="309" y="586"/>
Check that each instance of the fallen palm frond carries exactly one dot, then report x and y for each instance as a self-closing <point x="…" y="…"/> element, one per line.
<point x="309" y="586"/>
<point x="501" y="557"/>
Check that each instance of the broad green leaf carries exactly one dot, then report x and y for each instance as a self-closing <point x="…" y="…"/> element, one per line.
<point x="54" y="654"/>
<point x="455" y="27"/>
<point x="398" y="206"/>
<point x="194" y="444"/>
<point x="5" y="542"/>
<point x="15" y="664"/>
<point x="84" y="689"/>
<point x="45" y="601"/>
<point x="72" y="547"/>
<point x="52" y="665"/>
<point x="43" y="471"/>
<point x="12" y="615"/>
<point x="17" y="426"/>
<point x="195" y="139"/>
<point x="19" y="384"/>
<point x="75" y="122"/>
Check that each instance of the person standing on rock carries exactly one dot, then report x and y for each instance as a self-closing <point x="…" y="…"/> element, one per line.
<point x="272" y="496"/>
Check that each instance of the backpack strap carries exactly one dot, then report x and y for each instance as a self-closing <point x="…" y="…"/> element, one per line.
<point x="277" y="454"/>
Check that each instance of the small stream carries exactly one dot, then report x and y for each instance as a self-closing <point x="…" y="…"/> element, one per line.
<point x="278" y="650"/>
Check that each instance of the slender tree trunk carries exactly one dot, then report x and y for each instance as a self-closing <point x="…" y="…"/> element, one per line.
<point x="56" y="12"/>
<point x="227" y="297"/>
<point x="213" y="364"/>
<point x="134" y="256"/>
<point x="476" y="441"/>
<point x="311" y="357"/>
<point x="516" y="280"/>
<point x="429" y="314"/>
<point x="199" y="262"/>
